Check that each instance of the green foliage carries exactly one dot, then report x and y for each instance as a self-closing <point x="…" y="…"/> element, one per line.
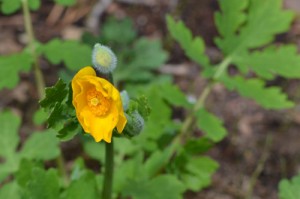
<point x="65" y="2"/>
<point x="194" y="48"/>
<point x="74" y="54"/>
<point x="62" y="117"/>
<point x="196" y="173"/>
<point x="161" y="187"/>
<point x="247" y="28"/>
<point x="11" y="66"/>
<point x="289" y="189"/>
<point x="83" y="187"/>
<point x="211" y="125"/>
<point x="39" y="146"/>
<point x="268" y="97"/>
<point x="10" y="190"/>
<point x="11" y="6"/>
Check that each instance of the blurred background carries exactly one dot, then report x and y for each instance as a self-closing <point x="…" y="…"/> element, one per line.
<point x="269" y="139"/>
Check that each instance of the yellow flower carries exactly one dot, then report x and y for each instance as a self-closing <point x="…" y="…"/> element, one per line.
<point x="98" y="105"/>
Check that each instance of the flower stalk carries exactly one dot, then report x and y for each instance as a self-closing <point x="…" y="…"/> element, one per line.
<point x="109" y="170"/>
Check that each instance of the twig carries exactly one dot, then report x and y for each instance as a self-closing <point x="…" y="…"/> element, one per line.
<point x="260" y="166"/>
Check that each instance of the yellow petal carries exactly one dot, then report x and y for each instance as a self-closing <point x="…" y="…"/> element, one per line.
<point x="121" y="123"/>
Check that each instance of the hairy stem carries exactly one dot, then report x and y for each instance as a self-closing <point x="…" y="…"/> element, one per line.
<point x="109" y="169"/>
<point x="31" y="44"/>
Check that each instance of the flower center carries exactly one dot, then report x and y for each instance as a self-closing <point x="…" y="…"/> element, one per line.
<point x="98" y="104"/>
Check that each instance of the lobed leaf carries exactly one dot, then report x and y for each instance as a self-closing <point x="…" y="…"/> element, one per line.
<point x="289" y="189"/>
<point x="74" y="54"/>
<point x="211" y="125"/>
<point x="11" y="66"/>
<point x="268" y="97"/>
<point x="10" y="190"/>
<point x="272" y="61"/>
<point x="263" y="21"/>
<point x="194" y="48"/>
<point x="161" y="187"/>
<point x="198" y="172"/>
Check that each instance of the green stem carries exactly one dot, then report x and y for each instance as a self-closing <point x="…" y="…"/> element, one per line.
<point x="31" y="43"/>
<point x="109" y="169"/>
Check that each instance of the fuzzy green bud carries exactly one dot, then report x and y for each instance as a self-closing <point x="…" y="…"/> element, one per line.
<point x="103" y="58"/>
<point x="135" y="124"/>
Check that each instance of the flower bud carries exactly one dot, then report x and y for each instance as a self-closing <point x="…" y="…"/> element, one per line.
<point x="125" y="100"/>
<point x="103" y="58"/>
<point x="135" y="124"/>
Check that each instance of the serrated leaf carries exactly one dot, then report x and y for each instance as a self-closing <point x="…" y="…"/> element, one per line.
<point x="161" y="187"/>
<point x="84" y="187"/>
<point x="74" y="54"/>
<point x="43" y="184"/>
<point x="194" y="48"/>
<point x="231" y="16"/>
<point x="268" y="97"/>
<point x="264" y="20"/>
<point x="65" y="2"/>
<point x="69" y="130"/>
<point x="10" y="6"/>
<point x="211" y="125"/>
<point x="54" y="94"/>
<point x="289" y="189"/>
<point x="198" y="172"/>
<point x="271" y="61"/>
<point x="11" y="66"/>
<point x="41" y="146"/>
<point x="10" y="190"/>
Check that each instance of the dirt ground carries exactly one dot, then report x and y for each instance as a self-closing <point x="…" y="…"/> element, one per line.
<point x="262" y="146"/>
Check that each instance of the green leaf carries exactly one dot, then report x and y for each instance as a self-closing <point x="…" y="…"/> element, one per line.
<point x="74" y="54"/>
<point x="8" y="143"/>
<point x="55" y="94"/>
<point x="65" y="2"/>
<point x="10" y="191"/>
<point x="231" y="17"/>
<point x="194" y="48"/>
<point x="196" y="146"/>
<point x="10" y="6"/>
<point x="263" y="21"/>
<point x="95" y="150"/>
<point x="289" y="189"/>
<point x="157" y="161"/>
<point x="34" y="4"/>
<point x="149" y="54"/>
<point x="211" y="125"/>
<point x="272" y="61"/>
<point x="41" y="146"/>
<point x="174" y="95"/>
<point x="43" y="184"/>
<point x="39" y="117"/>
<point x="198" y="172"/>
<point x="161" y="187"/>
<point x="24" y="173"/>
<point x="120" y="32"/>
<point x="10" y="66"/>
<point x="84" y="187"/>
<point x="268" y="97"/>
